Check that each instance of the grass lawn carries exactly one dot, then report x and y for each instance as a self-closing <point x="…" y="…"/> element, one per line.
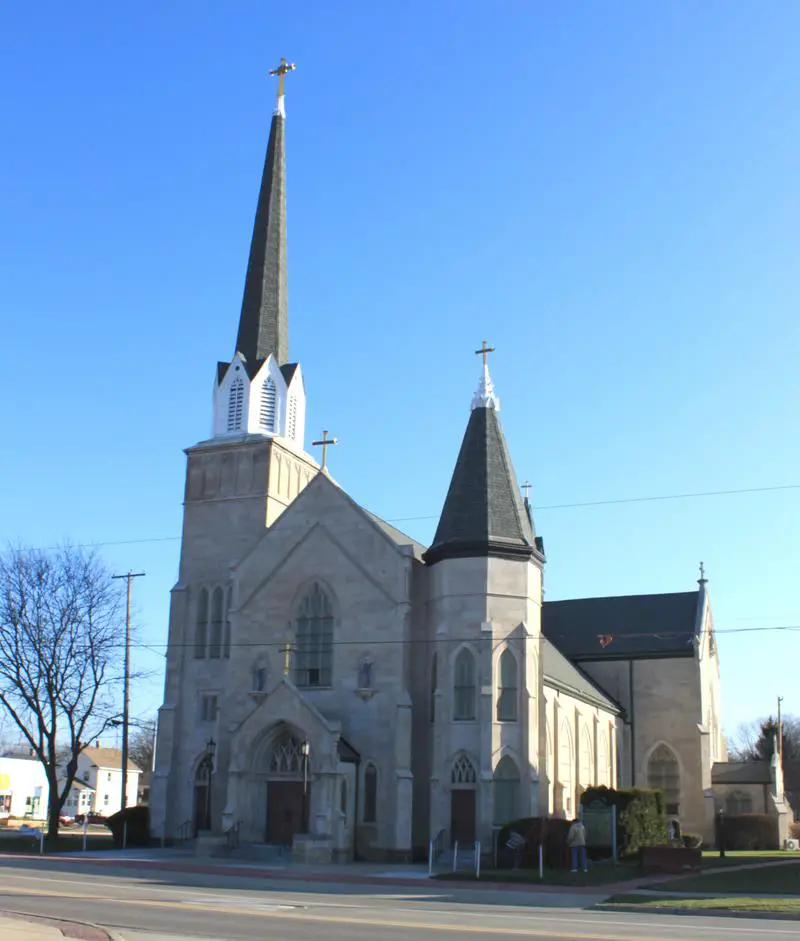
<point x="779" y="906"/>
<point x="11" y="842"/>
<point x="773" y="880"/>
<point x="599" y="874"/>
<point x="712" y="860"/>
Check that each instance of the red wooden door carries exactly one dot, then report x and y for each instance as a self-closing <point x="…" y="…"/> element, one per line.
<point x="462" y="815"/>
<point x="286" y="805"/>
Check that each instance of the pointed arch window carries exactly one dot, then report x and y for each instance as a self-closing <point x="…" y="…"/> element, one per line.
<point x="226" y="639"/>
<point x="235" y="405"/>
<point x="586" y="760"/>
<point x="663" y="774"/>
<point x="370" y="814"/>
<point x="314" y="660"/>
<point x="201" y="627"/>
<point x="463" y="772"/>
<point x="286" y="756"/>
<point x="434" y="685"/>
<point x="565" y="788"/>
<point x="505" y="784"/>
<point x="737" y="802"/>
<point x="464" y="706"/>
<point x="267" y="413"/>
<point x="260" y="674"/>
<point x="603" y="760"/>
<point x="215" y="640"/>
<point x="507" y="692"/>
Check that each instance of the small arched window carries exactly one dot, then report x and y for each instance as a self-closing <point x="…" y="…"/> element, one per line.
<point x="201" y="629"/>
<point x="507" y="692"/>
<point x="260" y="676"/>
<point x="370" y="793"/>
<point x="737" y="802"/>
<point x="434" y="685"/>
<point x="226" y="641"/>
<point x="314" y="660"/>
<point x="464" y="689"/>
<point x="215" y="640"/>
<point x="268" y="402"/>
<point x="506" y="791"/>
<point x="235" y="405"/>
<point x="463" y="772"/>
<point x="663" y="774"/>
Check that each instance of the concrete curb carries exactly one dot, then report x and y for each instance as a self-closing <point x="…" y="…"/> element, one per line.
<point x="699" y="913"/>
<point x="79" y="930"/>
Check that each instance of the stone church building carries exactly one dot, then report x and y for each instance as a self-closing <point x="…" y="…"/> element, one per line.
<point x="334" y="685"/>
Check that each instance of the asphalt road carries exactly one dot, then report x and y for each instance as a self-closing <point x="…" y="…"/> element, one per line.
<point x="175" y="906"/>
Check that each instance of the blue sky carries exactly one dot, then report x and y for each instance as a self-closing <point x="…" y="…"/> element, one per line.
<point x="608" y="193"/>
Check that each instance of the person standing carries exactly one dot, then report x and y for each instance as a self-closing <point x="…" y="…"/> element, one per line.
<point x="576" y="841"/>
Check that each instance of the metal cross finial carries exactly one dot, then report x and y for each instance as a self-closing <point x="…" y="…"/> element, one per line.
<point x="281" y="72"/>
<point x="484" y="351"/>
<point x="287" y="659"/>
<point x="323" y="443"/>
<point x="702" y="572"/>
<point x="526" y="489"/>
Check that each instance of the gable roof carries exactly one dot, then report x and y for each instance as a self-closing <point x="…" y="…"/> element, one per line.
<point x="561" y="674"/>
<point x="637" y="625"/>
<point x="109" y="759"/>
<point x="741" y="772"/>
<point x="396" y="535"/>
<point x="483" y="512"/>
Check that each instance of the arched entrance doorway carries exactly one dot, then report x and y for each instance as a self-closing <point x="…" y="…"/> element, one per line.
<point x="463" y="783"/>
<point x="202" y="793"/>
<point x="288" y="788"/>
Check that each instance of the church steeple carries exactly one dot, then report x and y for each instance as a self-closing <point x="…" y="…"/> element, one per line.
<point x="259" y="391"/>
<point x="264" y="320"/>
<point x="484" y="514"/>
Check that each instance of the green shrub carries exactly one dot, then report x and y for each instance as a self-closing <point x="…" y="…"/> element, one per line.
<point x="692" y="841"/>
<point x="550" y="831"/>
<point x="138" y="821"/>
<point x="641" y="816"/>
<point x="749" y="832"/>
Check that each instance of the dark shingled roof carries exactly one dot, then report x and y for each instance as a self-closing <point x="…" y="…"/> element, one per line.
<point x="396" y="535"/>
<point x="264" y="321"/>
<point x="633" y="625"/>
<point x="483" y="513"/>
<point x="288" y="370"/>
<point x="561" y="674"/>
<point x="741" y="772"/>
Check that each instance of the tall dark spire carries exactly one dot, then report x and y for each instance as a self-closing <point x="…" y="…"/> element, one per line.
<point x="264" y="321"/>
<point x="484" y="513"/>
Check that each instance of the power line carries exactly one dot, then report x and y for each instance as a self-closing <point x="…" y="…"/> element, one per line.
<point x="406" y="519"/>
<point x="379" y="642"/>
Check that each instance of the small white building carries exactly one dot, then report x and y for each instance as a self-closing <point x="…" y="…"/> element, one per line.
<point x="80" y="799"/>
<point x="101" y="770"/>
<point x="24" y="790"/>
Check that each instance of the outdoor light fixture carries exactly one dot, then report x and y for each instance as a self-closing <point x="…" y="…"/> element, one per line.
<point x="305" y="749"/>
<point x="211" y="748"/>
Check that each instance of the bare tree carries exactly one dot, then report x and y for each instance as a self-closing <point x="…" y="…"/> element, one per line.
<point x="755" y="741"/>
<point x="143" y="745"/>
<point x="61" y="620"/>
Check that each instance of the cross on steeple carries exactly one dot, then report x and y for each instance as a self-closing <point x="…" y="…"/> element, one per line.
<point x="323" y="443"/>
<point x="526" y="489"/>
<point x="484" y="351"/>
<point x="287" y="659"/>
<point x="283" y="69"/>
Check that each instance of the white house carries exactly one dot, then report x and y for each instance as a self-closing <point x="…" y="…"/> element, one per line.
<point x="80" y="799"/>
<point x="101" y="770"/>
<point x="24" y="789"/>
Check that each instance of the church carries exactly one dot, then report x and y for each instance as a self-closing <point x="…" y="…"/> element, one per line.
<point x="334" y="686"/>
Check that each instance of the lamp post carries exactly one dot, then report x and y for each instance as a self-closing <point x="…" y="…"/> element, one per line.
<point x="211" y="748"/>
<point x="721" y="832"/>
<point x="305" y="751"/>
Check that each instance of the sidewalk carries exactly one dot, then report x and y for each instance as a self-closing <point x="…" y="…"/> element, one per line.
<point x="29" y="928"/>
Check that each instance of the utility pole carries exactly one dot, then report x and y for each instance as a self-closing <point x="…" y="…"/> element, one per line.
<point x="126" y="693"/>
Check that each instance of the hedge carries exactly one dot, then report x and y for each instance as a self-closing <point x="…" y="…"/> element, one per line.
<point x="641" y="816"/>
<point x="550" y="831"/>
<point x="748" y="832"/>
<point x="138" y="820"/>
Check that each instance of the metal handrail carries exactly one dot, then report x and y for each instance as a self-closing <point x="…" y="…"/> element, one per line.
<point x="435" y="850"/>
<point x="477" y="859"/>
<point x="232" y="835"/>
<point x="455" y="855"/>
<point x="182" y="832"/>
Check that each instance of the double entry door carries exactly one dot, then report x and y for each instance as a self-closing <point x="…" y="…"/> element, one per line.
<point x="287" y="811"/>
